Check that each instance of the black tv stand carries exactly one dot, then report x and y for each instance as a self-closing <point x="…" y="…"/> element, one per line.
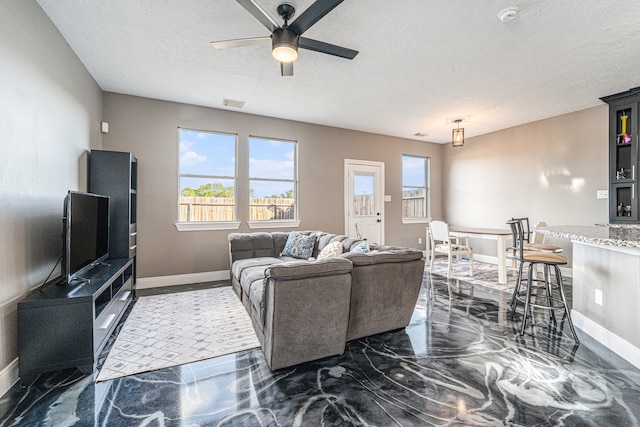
<point x="63" y="327"/>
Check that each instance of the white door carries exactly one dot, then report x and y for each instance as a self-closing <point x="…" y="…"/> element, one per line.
<point x="364" y="200"/>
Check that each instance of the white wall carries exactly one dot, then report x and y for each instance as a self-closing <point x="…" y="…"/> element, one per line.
<point x="547" y="170"/>
<point x="50" y="112"/>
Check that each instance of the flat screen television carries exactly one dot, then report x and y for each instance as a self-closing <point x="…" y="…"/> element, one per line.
<point x="86" y="233"/>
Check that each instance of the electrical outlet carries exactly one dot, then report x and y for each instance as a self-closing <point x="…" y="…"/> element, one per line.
<point x="598" y="297"/>
<point x="602" y="194"/>
<point x="419" y="240"/>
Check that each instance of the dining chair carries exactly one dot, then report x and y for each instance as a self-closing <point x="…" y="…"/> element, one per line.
<point x="439" y="232"/>
<point x="532" y="291"/>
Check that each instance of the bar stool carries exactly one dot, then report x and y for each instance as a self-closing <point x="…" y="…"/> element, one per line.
<point x="530" y="299"/>
<point x="535" y="244"/>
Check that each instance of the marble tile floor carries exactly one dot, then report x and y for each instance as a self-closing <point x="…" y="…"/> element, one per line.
<point x="460" y="362"/>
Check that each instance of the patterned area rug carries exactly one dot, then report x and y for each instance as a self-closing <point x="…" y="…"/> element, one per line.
<point x="173" y="329"/>
<point x="483" y="273"/>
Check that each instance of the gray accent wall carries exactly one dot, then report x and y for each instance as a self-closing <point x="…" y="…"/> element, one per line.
<point x="547" y="170"/>
<point x="149" y="129"/>
<point x="50" y="111"/>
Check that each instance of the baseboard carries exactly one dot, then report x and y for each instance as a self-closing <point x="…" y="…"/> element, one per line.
<point x="8" y="376"/>
<point x="620" y="346"/>
<point x="486" y="258"/>
<point x="181" y="279"/>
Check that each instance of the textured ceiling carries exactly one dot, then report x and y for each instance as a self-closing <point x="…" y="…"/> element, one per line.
<point x="421" y="62"/>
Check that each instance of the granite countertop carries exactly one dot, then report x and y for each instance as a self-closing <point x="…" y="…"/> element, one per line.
<point x="600" y="234"/>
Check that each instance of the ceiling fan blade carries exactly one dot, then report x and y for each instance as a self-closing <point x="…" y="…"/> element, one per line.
<point x="286" y="68"/>
<point x="228" y="44"/>
<point x="260" y="14"/>
<point x="327" y="48"/>
<point x="313" y="14"/>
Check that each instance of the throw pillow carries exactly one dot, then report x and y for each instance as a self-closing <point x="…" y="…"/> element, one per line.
<point x="299" y="246"/>
<point x="361" y="248"/>
<point x="332" y="250"/>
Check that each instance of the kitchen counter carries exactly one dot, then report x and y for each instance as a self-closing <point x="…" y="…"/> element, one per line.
<point x="606" y="284"/>
<point x="606" y="235"/>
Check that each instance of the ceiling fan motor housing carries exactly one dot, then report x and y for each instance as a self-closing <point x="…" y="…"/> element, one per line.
<point x="284" y="44"/>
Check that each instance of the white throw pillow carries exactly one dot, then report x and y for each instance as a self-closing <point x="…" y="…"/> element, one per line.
<point x="332" y="250"/>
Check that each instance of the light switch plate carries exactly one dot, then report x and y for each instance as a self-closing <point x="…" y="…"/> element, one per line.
<point x="602" y="194"/>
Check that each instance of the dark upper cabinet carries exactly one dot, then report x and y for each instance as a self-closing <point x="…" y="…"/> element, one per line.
<point x="623" y="156"/>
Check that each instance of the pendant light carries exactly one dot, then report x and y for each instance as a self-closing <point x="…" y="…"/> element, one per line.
<point x="457" y="136"/>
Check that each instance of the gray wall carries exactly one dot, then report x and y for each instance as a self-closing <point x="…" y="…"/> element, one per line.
<point x="148" y="128"/>
<point x="50" y="110"/>
<point x="547" y="170"/>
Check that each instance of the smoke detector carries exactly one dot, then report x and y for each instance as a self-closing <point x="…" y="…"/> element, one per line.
<point x="508" y="14"/>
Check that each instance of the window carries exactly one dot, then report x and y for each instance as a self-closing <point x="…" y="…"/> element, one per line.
<point x="415" y="189"/>
<point x="207" y="177"/>
<point x="272" y="181"/>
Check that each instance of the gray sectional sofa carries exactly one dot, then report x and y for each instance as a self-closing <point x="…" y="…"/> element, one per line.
<point x="304" y="310"/>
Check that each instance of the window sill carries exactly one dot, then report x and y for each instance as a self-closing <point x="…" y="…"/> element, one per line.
<point x="274" y="224"/>
<point x="206" y="226"/>
<point x="416" y="220"/>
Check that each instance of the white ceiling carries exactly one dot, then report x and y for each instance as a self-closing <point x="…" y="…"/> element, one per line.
<point x="421" y="62"/>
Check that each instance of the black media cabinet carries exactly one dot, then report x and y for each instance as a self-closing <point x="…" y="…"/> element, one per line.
<point x="67" y="325"/>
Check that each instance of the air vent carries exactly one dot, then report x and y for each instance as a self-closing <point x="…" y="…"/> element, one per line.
<point x="232" y="103"/>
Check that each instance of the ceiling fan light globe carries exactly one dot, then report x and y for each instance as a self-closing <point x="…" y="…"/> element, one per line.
<point x="285" y="54"/>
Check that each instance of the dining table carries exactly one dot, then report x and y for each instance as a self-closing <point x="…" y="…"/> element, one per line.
<point x="498" y="235"/>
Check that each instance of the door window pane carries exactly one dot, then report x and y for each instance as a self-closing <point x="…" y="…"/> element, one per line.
<point x="364" y="201"/>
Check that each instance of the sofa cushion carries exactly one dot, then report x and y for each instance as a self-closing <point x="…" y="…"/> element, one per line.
<point x="240" y="265"/>
<point x="332" y="250"/>
<point x="256" y="296"/>
<point x="250" y="276"/>
<point x="243" y="246"/>
<point x="299" y="245"/>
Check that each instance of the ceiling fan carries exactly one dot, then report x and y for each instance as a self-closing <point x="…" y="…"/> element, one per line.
<point x="286" y="39"/>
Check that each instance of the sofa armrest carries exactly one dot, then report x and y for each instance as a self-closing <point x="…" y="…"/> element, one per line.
<point x="388" y="255"/>
<point x="306" y="311"/>
<point x="293" y="270"/>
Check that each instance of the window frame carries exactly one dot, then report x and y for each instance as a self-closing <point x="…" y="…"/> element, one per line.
<point x="274" y="223"/>
<point x="208" y="225"/>
<point x="427" y="190"/>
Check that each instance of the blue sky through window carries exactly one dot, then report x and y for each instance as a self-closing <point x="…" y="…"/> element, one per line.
<point x="414" y="171"/>
<point x="207" y="153"/>
<point x="214" y="155"/>
<point x="271" y="159"/>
